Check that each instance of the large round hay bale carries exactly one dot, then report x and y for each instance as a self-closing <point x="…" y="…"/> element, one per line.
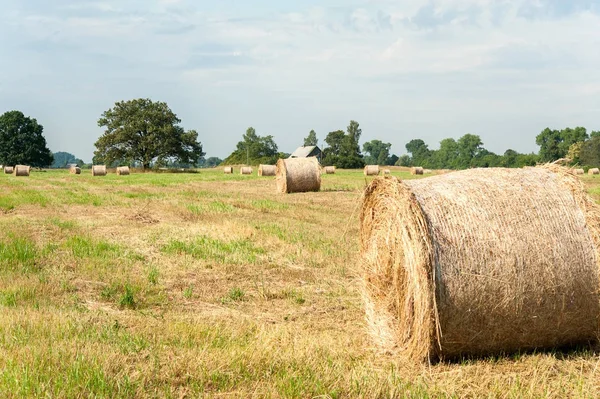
<point x="417" y="170"/>
<point x="228" y="170"/>
<point x="22" y="170"/>
<point x="387" y="172"/>
<point x="579" y="171"/>
<point x="594" y="171"/>
<point x="8" y="170"/>
<point x="267" y="170"/>
<point x="99" y="170"/>
<point x="75" y="170"/>
<point x="298" y="175"/>
<point x="371" y="170"/>
<point x="480" y="261"/>
<point x="330" y="170"/>
<point x="123" y="171"/>
<point x="246" y="170"/>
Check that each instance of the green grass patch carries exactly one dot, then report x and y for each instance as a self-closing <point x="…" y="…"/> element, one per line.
<point x="18" y="254"/>
<point x="232" y="252"/>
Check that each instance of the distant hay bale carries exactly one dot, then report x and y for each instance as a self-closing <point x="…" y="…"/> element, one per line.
<point x="298" y="175"/>
<point x="8" y="170"/>
<point x="75" y="170"/>
<point x="267" y="170"/>
<point x="330" y="170"/>
<point x="417" y="170"/>
<point x="99" y="170"/>
<point x="371" y="170"/>
<point x="228" y="170"/>
<point x="481" y="261"/>
<point x="427" y="171"/>
<point x="387" y="172"/>
<point x="579" y="171"/>
<point x="246" y="170"/>
<point x="22" y="170"/>
<point x="594" y="171"/>
<point x="123" y="171"/>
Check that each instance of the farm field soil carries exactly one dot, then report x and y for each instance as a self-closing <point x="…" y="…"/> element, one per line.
<point x="213" y="285"/>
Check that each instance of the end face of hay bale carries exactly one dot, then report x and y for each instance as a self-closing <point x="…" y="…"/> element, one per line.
<point x="75" y="170"/>
<point x="267" y="170"/>
<point x="228" y="170"/>
<point x="459" y="264"/>
<point x="417" y="170"/>
<point x="8" y="170"/>
<point x="246" y="170"/>
<point x="371" y="170"/>
<point x="22" y="170"/>
<point x="123" y="171"/>
<point x="99" y="170"/>
<point x="298" y="175"/>
<point x="330" y="170"/>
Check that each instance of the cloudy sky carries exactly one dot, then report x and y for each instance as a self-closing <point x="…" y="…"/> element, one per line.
<point x="430" y="69"/>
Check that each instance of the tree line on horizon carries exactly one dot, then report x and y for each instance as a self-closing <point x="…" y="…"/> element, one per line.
<point x="148" y="134"/>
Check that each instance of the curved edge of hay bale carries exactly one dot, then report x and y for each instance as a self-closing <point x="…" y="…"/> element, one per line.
<point x="417" y="170"/>
<point x="99" y="170"/>
<point x="22" y="170"/>
<point x="245" y="170"/>
<point x="298" y="175"/>
<point x="8" y="170"/>
<point x="123" y="171"/>
<point x="267" y="170"/>
<point x="228" y="170"/>
<point x="329" y="170"/>
<point x="75" y="170"/>
<point x="371" y="170"/>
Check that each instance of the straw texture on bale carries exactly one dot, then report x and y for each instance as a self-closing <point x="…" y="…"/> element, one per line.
<point x="22" y="170"/>
<point x="8" y="170"/>
<point x="579" y="171"/>
<point x="330" y="170"/>
<point x="246" y="170"/>
<point x="298" y="175"/>
<point x="228" y="170"/>
<point x="594" y="171"/>
<point x="371" y="170"/>
<point x="267" y="170"/>
<point x="480" y="261"/>
<point x="417" y="171"/>
<point x="386" y="172"/>
<point x="75" y="170"/>
<point x="123" y="171"/>
<point x="99" y="170"/>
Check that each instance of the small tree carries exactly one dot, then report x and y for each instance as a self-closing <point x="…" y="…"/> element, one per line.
<point x="311" y="139"/>
<point x="254" y="150"/>
<point x="378" y="151"/>
<point x="22" y="141"/>
<point x="145" y="131"/>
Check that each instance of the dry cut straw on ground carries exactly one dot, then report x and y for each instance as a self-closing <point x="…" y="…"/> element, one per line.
<point x="480" y="262"/>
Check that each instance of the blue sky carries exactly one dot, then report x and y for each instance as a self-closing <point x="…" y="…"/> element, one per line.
<point x="431" y="69"/>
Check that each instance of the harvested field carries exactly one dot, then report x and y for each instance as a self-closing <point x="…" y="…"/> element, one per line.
<point x="210" y="285"/>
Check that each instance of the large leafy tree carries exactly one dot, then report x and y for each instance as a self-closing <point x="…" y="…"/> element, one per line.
<point x="254" y="150"/>
<point x="470" y="147"/>
<point x="311" y="139"/>
<point x="22" y="141"/>
<point x="334" y="141"/>
<point x="420" y="153"/>
<point x="145" y="131"/>
<point x="378" y="152"/>
<point x="343" y="150"/>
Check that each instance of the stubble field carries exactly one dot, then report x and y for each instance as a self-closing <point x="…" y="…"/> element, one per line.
<point x="209" y="285"/>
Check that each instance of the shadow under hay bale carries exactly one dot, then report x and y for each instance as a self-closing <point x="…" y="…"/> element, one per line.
<point x="8" y="170"/>
<point x="298" y="175"/>
<point x="123" y="171"/>
<point x="228" y="170"/>
<point x="371" y="170"/>
<point x="482" y="261"/>
<point x="245" y="170"/>
<point x="329" y="170"/>
<point x="417" y="170"/>
<point x="22" y="170"/>
<point x="75" y="170"/>
<point x="267" y="170"/>
<point x="99" y="170"/>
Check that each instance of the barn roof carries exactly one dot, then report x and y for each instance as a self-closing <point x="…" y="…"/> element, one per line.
<point x="304" y="152"/>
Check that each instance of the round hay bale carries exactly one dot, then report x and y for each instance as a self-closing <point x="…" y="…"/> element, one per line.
<point x="267" y="170"/>
<point x="371" y="170"/>
<point x="298" y="175"/>
<point x="8" y="170"/>
<point x="417" y="170"/>
<point x="387" y="172"/>
<point x="75" y="170"/>
<point x="22" y="170"/>
<point x="123" y="171"/>
<point x="228" y="170"/>
<point x="99" y="170"/>
<point x="480" y="261"/>
<point x="427" y="171"/>
<point x="330" y="170"/>
<point x="594" y="171"/>
<point x="579" y="171"/>
<point x="246" y="170"/>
